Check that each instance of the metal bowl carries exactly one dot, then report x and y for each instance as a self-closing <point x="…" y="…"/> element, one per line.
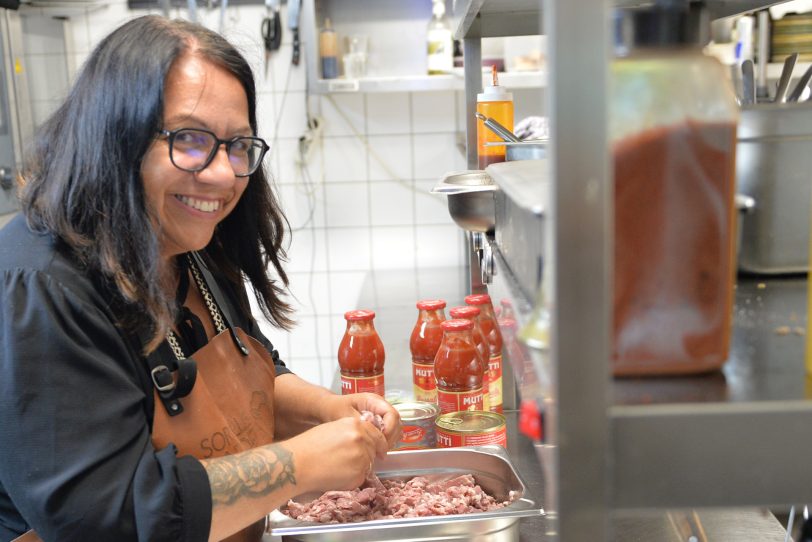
<point x="470" y="199"/>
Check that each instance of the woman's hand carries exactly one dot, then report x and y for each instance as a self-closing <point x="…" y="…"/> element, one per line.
<point x="336" y="455"/>
<point x="339" y="406"/>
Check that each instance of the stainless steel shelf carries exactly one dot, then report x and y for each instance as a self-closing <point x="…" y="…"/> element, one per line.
<point x="732" y="438"/>
<point x="735" y="438"/>
<point x="495" y="18"/>
<point x="740" y="454"/>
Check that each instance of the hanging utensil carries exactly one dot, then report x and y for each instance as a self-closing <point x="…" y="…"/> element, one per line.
<point x="798" y="91"/>
<point x="271" y="31"/>
<point x="763" y="44"/>
<point x="191" y="6"/>
<point x="748" y="83"/>
<point x="783" y="81"/>
<point x="294" y="8"/>
<point x="223" y="7"/>
<point x="497" y="128"/>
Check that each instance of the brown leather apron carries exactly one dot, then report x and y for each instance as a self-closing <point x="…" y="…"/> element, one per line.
<point x="230" y="406"/>
<point x="229" y="410"/>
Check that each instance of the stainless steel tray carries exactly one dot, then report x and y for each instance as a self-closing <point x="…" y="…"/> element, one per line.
<point x="492" y="470"/>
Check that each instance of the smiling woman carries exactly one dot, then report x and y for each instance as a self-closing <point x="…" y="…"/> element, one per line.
<point x="138" y="398"/>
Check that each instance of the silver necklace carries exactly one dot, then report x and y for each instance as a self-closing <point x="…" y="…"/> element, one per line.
<point x="210" y="304"/>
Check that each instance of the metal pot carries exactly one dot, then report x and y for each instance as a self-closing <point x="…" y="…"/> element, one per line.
<point x="533" y="149"/>
<point x="772" y="167"/>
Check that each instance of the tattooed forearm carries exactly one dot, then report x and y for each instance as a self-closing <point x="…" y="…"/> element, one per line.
<point x="254" y="473"/>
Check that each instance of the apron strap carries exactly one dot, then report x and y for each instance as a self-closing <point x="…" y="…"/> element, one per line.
<point x="28" y="536"/>
<point x="173" y="385"/>
<point x="218" y="298"/>
<point x="175" y="379"/>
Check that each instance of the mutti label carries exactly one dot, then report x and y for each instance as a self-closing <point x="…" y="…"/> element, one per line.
<point x="451" y="439"/>
<point x="453" y="401"/>
<point x="495" y="384"/>
<point x="425" y="387"/>
<point x="372" y="384"/>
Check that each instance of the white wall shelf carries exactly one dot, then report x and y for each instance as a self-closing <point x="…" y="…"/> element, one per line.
<point x="424" y="83"/>
<point x="61" y="8"/>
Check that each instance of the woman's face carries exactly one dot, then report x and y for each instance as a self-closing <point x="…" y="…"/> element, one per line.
<point x="186" y="206"/>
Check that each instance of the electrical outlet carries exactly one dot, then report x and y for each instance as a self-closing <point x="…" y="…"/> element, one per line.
<point x="309" y="139"/>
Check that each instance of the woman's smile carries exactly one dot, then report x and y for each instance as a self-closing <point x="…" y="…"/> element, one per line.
<point x="208" y="206"/>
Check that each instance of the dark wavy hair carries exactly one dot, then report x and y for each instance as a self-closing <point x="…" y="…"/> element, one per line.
<point x="83" y="180"/>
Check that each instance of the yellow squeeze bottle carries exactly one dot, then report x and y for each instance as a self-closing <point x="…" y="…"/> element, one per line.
<point x="497" y="103"/>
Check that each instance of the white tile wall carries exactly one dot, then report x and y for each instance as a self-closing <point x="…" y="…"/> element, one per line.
<point x="358" y="203"/>
<point x="45" y="61"/>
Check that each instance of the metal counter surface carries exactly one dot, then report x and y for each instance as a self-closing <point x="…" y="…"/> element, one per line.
<point x="766" y="360"/>
<point x="766" y="363"/>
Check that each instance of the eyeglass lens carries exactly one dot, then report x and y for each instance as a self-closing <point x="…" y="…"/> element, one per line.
<point x="193" y="150"/>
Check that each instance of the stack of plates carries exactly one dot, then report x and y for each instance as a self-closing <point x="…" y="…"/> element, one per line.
<point x="790" y="34"/>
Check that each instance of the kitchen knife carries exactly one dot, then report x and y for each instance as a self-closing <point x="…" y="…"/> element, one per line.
<point x="801" y="86"/>
<point x="748" y="83"/>
<point x="762" y="54"/>
<point x="783" y="81"/>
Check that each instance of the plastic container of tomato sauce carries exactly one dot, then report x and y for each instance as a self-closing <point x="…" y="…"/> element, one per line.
<point x="361" y="355"/>
<point x="458" y="368"/>
<point x="487" y="320"/>
<point x="424" y="342"/>
<point x="470" y="312"/>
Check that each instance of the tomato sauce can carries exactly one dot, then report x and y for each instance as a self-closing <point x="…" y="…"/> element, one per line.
<point x="417" y="425"/>
<point x="471" y="428"/>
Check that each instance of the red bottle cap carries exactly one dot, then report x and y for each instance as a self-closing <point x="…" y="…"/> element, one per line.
<point x="430" y="304"/>
<point x="457" y="325"/>
<point x="478" y="299"/>
<point x="508" y="323"/>
<point x="359" y="315"/>
<point x="530" y="422"/>
<point x="468" y="311"/>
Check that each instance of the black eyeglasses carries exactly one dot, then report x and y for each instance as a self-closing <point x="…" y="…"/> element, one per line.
<point x="193" y="149"/>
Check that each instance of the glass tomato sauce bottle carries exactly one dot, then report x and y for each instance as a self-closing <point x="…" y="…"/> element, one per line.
<point x="361" y="355"/>
<point x="469" y="312"/>
<point x="424" y="343"/>
<point x="458" y="368"/>
<point x="487" y="319"/>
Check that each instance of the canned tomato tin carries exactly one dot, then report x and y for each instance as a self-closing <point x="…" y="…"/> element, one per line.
<point x="470" y="428"/>
<point x="417" y="425"/>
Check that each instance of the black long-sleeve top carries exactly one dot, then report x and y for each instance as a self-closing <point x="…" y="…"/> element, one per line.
<point x="76" y="410"/>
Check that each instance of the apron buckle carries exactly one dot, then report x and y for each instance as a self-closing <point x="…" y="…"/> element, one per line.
<point x="169" y="389"/>
<point x="162" y="379"/>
